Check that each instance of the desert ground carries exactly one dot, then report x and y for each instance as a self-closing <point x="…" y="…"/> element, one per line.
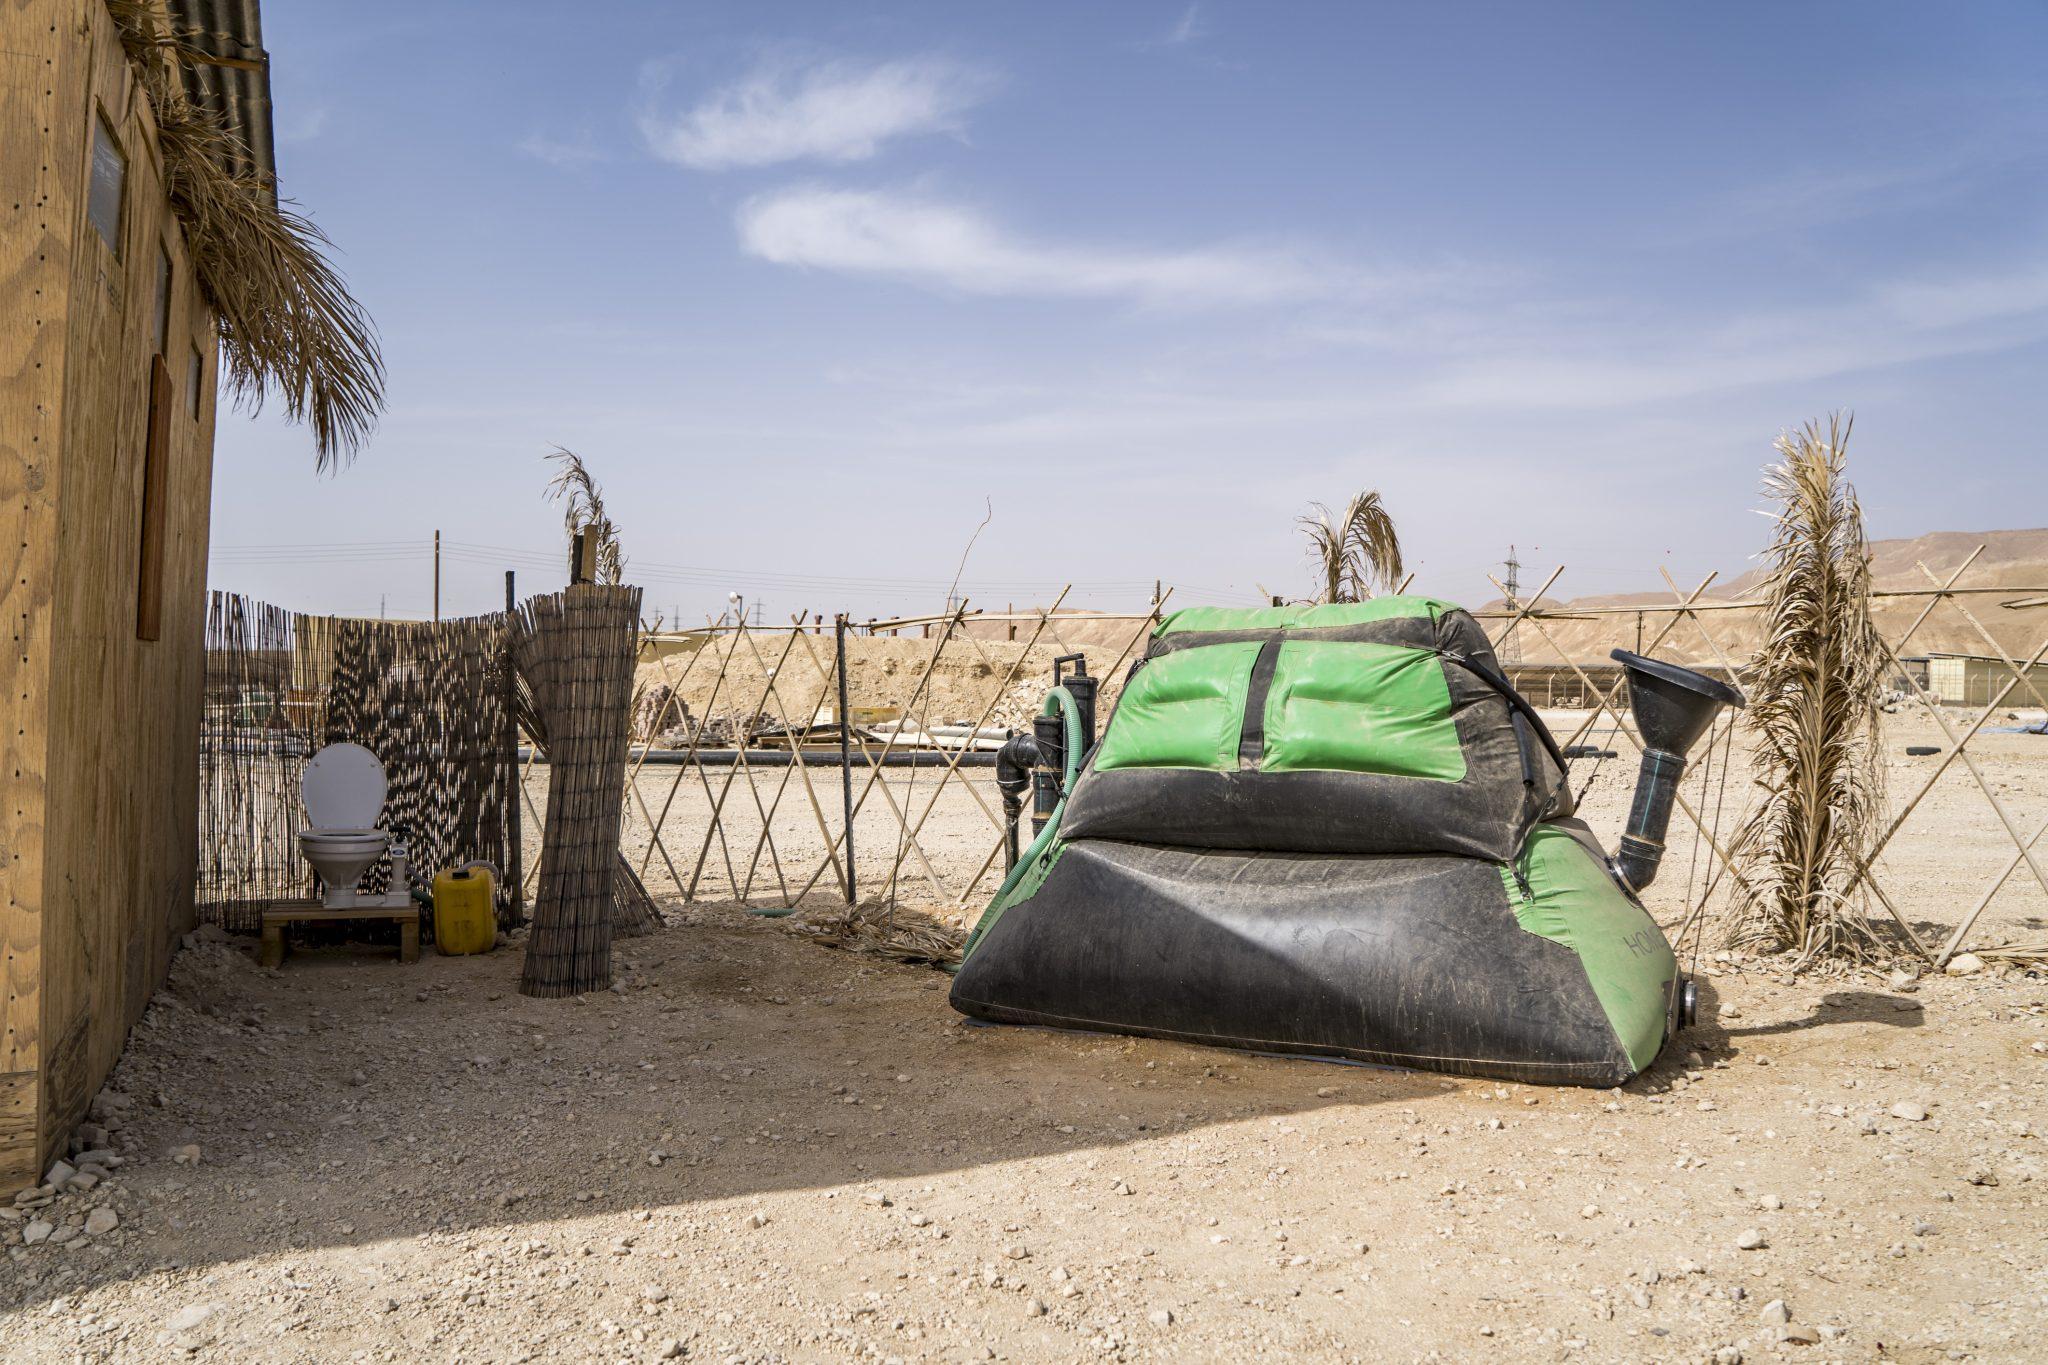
<point x="756" y="1148"/>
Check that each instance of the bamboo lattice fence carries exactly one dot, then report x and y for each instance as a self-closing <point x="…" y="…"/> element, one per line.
<point x="726" y="802"/>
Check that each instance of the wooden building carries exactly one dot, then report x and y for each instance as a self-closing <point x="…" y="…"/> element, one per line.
<point x="108" y="355"/>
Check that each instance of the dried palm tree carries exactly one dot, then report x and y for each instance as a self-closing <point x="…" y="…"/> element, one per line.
<point x="1815" y="686"/>
<point x="1355" y="553"/>
<point x="288" y="325"/>
<point x="585" y="514"/>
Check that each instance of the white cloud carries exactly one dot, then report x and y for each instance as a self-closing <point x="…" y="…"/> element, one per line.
<point x="1901" y="322"/>
<point x="1190" y="26"/>
<point x="941" y="245"/>
<point x="561" y="153"/>
<point x="835" y="111"/>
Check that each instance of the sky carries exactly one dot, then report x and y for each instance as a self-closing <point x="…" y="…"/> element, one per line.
<point x="817" y="290"/>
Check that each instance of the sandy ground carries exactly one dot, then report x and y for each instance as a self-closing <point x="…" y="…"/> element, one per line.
<point x="417" y="1163"/>
<point x="759" y="1149"/>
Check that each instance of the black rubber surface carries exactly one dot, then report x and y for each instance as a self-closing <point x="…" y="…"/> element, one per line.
<point x="1402" y="960"/>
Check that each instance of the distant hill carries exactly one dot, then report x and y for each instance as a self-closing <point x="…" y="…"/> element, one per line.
<point x="2015" y="559"/>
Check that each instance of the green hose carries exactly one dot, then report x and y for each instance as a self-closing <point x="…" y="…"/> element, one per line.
<point x="1070" y="712"/>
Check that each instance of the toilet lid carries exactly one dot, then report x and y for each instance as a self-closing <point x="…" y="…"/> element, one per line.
<point x="343" y="788"/>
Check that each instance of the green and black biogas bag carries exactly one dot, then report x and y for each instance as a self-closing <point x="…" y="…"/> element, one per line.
<point x="1337" y="830"/>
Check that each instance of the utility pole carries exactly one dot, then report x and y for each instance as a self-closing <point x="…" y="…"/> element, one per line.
<point x="1510" y="651"/>
<point x="437" y="575"/>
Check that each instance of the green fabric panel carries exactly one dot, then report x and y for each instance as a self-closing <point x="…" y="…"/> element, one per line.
<point x="1361" y="708"/>
<point x="1570" y="899"/>
<point x="1182" y="710"/>
<point x="1302" y="617"/>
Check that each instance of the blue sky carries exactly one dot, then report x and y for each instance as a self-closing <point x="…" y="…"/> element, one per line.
<point x="810" y="286"/>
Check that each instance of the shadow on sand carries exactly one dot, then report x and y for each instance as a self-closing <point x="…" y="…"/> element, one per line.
<point x="1844" y="1007"/>
<point x="349" y="1100"/>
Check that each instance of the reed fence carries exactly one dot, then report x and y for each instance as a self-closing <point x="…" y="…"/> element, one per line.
<point x="428" y="698"/>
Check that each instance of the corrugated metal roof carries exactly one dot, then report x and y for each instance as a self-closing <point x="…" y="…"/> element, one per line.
<point x="228" y="73"/>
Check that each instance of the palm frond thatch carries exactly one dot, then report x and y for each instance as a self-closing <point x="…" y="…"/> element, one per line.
<point x="1355" y="553"/>
<point x="585" y="514"/>
<point x="1815" y="688"/>
<point x="288" y="325"/>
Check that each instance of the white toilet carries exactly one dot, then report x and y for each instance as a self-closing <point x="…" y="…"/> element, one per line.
<point x="343" y="790"/>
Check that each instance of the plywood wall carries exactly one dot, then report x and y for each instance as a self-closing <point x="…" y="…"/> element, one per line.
<point x="38" y="205"/>
<point x="101" y="782"/>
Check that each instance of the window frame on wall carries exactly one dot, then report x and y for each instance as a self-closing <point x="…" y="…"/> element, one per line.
<point x="106" y="139"/>
<point x="166" y="281"/>
<point x="195" y="380"/>
<point x="156" y="458"/>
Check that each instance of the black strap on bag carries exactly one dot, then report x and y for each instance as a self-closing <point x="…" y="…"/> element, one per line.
<point x="1515" y="699"/>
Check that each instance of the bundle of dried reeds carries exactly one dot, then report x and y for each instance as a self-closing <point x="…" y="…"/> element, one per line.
<point x="574" y="651"/>
<point x="877" y="928"/>
<point x="633" y="910"/>
<point x="1815" y="687"/>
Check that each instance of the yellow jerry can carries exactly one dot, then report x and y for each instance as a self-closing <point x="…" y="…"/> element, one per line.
<point x="464" y="921"/>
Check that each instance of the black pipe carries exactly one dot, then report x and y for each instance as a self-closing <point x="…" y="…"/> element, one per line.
<point x="1049" y="739"/>
<point x="1082" y="688"/>
<point x="1673" y="707"/>
<point x="1014" y="764"/>
<point x="845" y="756"/>
<point x="515" y="841"/>
<point x="1649" y="818"/>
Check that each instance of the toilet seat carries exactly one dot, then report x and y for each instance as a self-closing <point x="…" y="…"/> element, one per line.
<point x="343" y="789"/>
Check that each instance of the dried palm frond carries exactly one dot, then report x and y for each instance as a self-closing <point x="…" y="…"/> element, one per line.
<point x="1815" y="686"/>
<point x="882" y="930"/>
<point x="1355" y="553"/>
<point x="585" y="514"/>
<point x="288" y="325"/>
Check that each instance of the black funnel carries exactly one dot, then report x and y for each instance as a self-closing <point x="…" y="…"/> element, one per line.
<point x="1673" y="707"/>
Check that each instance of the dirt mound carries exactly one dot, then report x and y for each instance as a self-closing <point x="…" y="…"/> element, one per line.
<point x="974" y="677"/>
